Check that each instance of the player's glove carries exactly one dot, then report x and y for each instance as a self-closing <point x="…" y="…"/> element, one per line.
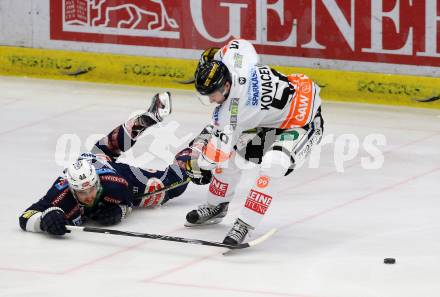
<point x="110" y="214"/>
<point x="196" y="174"/>
<point x="207" y="55"/>
<point x="53" y="221"/>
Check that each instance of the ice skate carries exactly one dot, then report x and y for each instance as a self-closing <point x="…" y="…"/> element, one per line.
<point x="206" y="215"/>
<point x="160" y="107"/>
<point x="238" y="233"/>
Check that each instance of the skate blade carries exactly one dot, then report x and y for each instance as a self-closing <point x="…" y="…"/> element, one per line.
<point x="207" y="223"/>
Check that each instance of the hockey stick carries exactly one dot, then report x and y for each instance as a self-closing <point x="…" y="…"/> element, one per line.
<point x="429" y="99"/>
<point x="175" y="239"/>
<point x="185" y="82"/>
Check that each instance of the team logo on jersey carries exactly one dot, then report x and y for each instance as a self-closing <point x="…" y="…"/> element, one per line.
<point x="258" y="202"/>
<point x="62" y="184"/>
<point x="254" y="90"/>
<point x="151" y="201"/>
<point x="218" y="188"/>
<point x="306" y="87"/>
<point x="242" y="80"/>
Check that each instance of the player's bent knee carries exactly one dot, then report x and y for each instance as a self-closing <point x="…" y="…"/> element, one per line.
<point x="275" y="164"/>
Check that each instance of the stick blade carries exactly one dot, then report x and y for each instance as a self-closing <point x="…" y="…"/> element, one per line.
<point x="254" y="242"/>
<point x="185" y="82"/>
<point x="428" y="99"/>
<point x="263" y="237"/>
<point x="74" y="228"/>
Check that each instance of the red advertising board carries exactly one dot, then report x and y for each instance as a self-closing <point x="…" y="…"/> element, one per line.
<point x="394" y="31"/>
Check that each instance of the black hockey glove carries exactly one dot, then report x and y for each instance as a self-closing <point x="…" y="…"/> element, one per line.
<point x="196" y="174"/>
<point x="207" y="55"/>
<point x="110" y="214"/>
<point x="53" y="221"/>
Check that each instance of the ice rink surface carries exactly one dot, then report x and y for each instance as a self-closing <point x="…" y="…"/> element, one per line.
<point x="334" y="228"/>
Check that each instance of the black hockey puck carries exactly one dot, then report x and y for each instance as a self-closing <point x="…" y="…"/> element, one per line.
<point x="389" y="260"/>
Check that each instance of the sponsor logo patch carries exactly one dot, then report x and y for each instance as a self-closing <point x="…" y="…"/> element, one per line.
<point x="28" y="213"/>
<point x="254" y="90"/>
<point x="215" y="115"/>
<point x="60" y="197"/>
<point x="258" y="202"/>
<point x="234" y="112"/>
<point x="263" y="181"/>
<point x="112" y="200"/>
<point x="238" y="60"/>
<point x="114" y="179"/>
<point x="218" y="188"/>
<point x="289" y="136"/>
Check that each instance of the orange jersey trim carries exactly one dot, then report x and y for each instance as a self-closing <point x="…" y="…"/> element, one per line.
<point x="214" y="154"/>
<point x="302" y="102"/>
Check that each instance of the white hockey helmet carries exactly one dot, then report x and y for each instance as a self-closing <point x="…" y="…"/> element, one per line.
<point x="81" y="175"/>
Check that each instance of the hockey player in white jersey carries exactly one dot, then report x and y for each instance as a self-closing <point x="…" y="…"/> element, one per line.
<point x="263" y="116"/>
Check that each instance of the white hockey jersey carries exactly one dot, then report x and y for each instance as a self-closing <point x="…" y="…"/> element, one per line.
<point x="259" y="97"/>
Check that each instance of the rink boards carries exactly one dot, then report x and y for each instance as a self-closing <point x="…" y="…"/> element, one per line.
<point x="336" y="85"/>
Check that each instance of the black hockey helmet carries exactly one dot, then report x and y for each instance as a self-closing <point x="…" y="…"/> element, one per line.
<point x="211" y="76"/>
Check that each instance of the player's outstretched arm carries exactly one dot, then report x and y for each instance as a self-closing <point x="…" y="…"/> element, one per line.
<point x="49" y="213"/>
<point x="52" y="220"/>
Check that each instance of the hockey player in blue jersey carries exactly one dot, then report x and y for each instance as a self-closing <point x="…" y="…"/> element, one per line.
<point x="97" y="187"/>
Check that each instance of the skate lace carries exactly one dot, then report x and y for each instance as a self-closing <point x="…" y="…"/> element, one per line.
<point x="238" y="232"/>
<point x="207" y="211"/>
